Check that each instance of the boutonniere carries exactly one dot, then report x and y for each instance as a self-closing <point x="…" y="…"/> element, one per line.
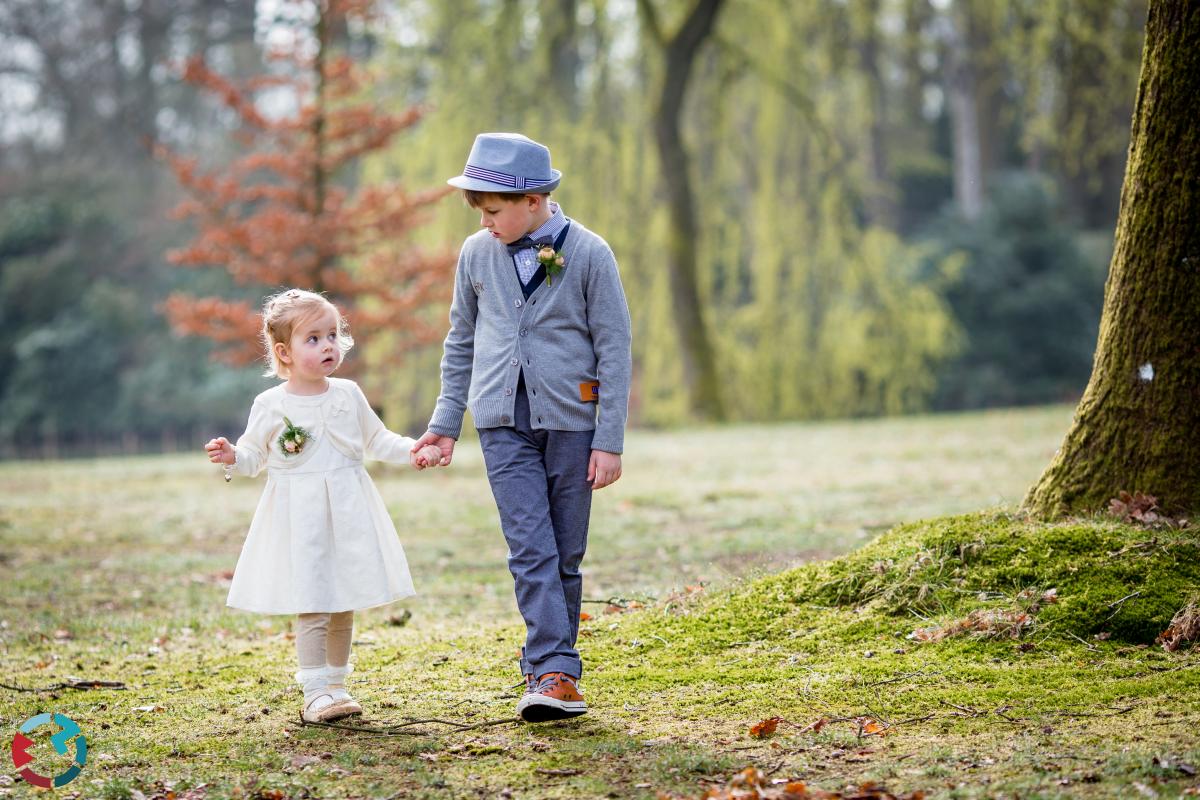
<point x="552" y="260"/>
<point x="292" y="440"/>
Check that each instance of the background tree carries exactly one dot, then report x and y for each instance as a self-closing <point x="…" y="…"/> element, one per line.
<point x="822" y="160"/>
<point x="1026" y="293"/>
<point x="286" y="213"/>
<point x="90" y="363"/>
<point x="679" y="53"/>
<point x="1135" y="428"/>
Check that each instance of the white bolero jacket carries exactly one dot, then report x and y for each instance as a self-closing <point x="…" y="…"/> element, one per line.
<point x="341" y="414"/>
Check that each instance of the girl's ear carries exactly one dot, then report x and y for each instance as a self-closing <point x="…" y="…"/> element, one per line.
<point x="281" y="353"/>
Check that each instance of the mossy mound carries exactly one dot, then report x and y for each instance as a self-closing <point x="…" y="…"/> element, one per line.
<point x="1107" y="578"/>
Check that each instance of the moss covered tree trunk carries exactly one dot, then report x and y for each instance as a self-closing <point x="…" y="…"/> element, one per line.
<point x="1137" y="427"/>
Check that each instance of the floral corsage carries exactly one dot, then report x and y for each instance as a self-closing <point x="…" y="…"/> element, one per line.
<point x="292" y="440"/>
<point x="552" y="260"/>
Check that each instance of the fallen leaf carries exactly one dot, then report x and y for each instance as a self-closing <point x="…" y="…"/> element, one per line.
<point x="992" y="623"/>
<point x="1184" y="628"/>
<point x="1137" y="507"/>
<point x="584" y="616"/>
<point x="150" y="708"/>
<point x="868" y="726"/>
<point x="815" y="727"/>
<point x="765" y="728"/>
<point x="752" y="784"/>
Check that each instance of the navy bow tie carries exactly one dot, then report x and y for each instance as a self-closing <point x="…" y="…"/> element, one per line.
<point x="525" y="243"/>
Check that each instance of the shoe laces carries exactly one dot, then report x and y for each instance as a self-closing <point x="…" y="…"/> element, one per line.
<point x="549" y="680"/>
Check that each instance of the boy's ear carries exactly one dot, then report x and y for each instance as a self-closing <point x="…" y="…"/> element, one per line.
<point x="535" y="201"/>
<point x="281" y="353"/>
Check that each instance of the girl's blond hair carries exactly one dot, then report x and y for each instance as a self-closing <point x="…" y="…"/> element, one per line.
<point x="281" y="313"/>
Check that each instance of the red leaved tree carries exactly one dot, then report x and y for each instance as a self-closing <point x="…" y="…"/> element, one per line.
<point x="284" y="214"/>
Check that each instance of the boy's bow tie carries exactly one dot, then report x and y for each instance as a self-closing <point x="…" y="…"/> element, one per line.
<point x="524" y="243"/>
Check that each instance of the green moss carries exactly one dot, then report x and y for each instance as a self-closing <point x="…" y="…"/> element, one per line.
<point x="1108" y="577"/>
<point x="673" y="688"/>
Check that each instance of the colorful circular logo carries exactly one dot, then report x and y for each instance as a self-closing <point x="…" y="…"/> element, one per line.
<point x="69" y="733"/>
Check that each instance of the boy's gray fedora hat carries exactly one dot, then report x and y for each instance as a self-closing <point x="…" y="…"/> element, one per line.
<point x="507" y="163"/>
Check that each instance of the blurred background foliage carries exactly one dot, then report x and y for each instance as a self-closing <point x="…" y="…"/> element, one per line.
<point x="900" y="205"/>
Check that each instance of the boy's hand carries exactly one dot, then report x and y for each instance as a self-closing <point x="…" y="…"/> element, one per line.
<point x="220" y="451"/>
<point x="428" y="456"/>
<point x="444" y="443"/>
<point x="603" y="468"/>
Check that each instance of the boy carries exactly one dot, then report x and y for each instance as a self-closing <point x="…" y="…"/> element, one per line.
<point x="539" y="350"/>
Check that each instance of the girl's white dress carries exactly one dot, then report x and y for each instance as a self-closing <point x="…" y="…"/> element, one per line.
<point x="321" y="539"/>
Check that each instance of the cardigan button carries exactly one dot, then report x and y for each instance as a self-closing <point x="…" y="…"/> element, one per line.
<point x="504" y="420"/>
<point x="524" y="331"/>
<point x="514" y="362"/>
<point x="517" y="303"/>
<point x="507" y="391"/>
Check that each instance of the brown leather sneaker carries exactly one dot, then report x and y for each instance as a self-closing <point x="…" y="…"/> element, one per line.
<point x="555" y="696"/>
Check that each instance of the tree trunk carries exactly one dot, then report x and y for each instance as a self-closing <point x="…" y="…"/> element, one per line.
<point x="963" y="90"/>
<point x="562" y="50"/>
<point x="879" y="202"/>
<point x="699" y="363"/>
<point x="1136" y="428"/>
<point x="321" y="259"/>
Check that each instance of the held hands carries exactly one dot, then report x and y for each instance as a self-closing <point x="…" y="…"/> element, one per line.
<point x="432" y="450"/>
<point x="604" y="468"/>
<point x="428" y="456"/>
<point x="220" y="451"/>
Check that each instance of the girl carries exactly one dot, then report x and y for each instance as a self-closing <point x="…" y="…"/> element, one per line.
<point x="321" y="544"/>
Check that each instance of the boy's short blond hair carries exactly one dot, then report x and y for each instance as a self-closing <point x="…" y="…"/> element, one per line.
<point x="282" y="312"/>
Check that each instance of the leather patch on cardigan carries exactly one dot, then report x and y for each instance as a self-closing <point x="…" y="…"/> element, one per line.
<point x="589" y="392"/>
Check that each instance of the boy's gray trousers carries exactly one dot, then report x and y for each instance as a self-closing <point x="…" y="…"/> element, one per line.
<point x="539" y="479"/>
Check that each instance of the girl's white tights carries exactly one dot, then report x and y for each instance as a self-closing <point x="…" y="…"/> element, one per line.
<point x="323" y="645"/>
<point x="324" y="639"/>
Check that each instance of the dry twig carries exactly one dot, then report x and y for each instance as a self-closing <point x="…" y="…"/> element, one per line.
<point x="74" y="683"/>
<point x="399" y="729"/>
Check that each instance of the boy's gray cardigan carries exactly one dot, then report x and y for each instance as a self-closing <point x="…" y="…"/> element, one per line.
<point x="574" y="328"/>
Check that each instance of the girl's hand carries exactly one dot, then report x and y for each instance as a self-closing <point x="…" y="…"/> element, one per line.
<point x="428" y="456"/>
<point x="444" y="443"/>
<point x="220" y="451"/>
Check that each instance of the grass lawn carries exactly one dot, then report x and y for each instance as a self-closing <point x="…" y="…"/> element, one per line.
<point x="117" y="570"/>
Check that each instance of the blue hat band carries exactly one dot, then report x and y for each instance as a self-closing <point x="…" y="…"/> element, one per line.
<point x="504" y="178"/>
